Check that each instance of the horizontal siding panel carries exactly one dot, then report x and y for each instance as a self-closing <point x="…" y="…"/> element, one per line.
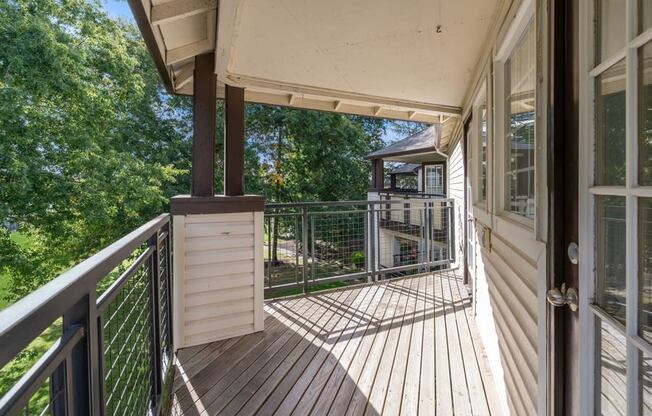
<point x="219" y="218"/>
<point x="524" y="390"/>
<point x="213" y="229"/>
<point x="219" y="269"/>
<point x="218" y="283"/>
<point x="515" y="283"/>
<point x="219" y="322"/>
<point x="209" y="311"/>
<point x="527" y="322"/>
<point x="218" y="243"/>
<point x="218" y="256"/>
<point x="197" y="339"/>
<point x="222" y="294"/>
<point x="525" y="374"/>
<point x="517" y="336"/>
<point x="519" y="261"/>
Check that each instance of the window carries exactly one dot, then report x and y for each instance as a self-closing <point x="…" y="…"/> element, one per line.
<point x="482" y="154"/>
<point x="519" y="125"/>
<point x="434" y="179"/>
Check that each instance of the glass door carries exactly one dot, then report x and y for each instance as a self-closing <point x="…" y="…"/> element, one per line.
<point x="616" y="207"/>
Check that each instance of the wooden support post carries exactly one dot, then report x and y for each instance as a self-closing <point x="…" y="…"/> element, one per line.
<point x="203" y="119"/>
<point x="234" y="131"/>
<point x="378" y="174"/>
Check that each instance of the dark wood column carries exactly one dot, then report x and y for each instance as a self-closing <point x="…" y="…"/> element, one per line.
<point x="203" y="120"/>
<point x="234" y="131"/>
<point x="377" y="174"/>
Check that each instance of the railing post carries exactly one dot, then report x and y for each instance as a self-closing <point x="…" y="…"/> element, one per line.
<point x="452" y="253"/>
<point x="296" y="249"/>
<point x="168" y="282"/>
<point x="155" y="329"/>
<point x="312" y="249"/>
<point x="84" y="378"/>
<point x="428" y="229"/>
<point x="304" y="246"/>
<point x="269" y="252"/>
<point x="372" y="241"/>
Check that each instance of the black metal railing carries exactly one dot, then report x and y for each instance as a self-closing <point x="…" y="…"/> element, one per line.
<point x="318" y="243"/>
<point x="114" y="352"/>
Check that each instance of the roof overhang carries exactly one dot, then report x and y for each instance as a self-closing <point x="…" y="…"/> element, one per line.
<point x="380" y="58"/>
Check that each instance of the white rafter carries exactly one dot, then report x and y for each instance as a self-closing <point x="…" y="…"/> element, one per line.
<point x="179" y="9"/>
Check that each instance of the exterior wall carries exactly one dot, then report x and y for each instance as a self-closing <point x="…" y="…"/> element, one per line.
<point x="386" y="248"/>
<point x="510" y="258"/>
<point x="218" y="276"/>
<point x="506" y="311"/>
<point x="456" y="192"/>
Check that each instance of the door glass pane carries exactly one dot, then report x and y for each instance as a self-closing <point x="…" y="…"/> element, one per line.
<point x="644" y="15"/>
<point x="610" y="255"/>
<point x="520" y="75"/>
<point x="645" y="267"/>
<point x="610" y="30"/>
<point x="645" y="365"/>
<point x="611" y="385"/>
<point x="645" y="114"/>
<point x="610" y="126"/>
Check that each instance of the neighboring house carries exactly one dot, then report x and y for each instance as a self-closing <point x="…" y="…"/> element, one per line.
<point x="418" y="175"/>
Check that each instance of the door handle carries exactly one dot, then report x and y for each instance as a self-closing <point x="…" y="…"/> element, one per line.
<point x="563" y="296"/>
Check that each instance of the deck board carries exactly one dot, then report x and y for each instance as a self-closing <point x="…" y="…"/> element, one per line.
<point x="405" y="346"/>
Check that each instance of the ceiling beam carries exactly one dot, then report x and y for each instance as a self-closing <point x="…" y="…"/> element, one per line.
<point x="183" y="76"/>
<point x="377" y="110"/>
<point x="187" y="51"/>
<point x="179" y="9"/>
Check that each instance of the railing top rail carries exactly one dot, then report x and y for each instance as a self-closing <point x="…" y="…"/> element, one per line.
<point x="348" y="203"/>
<point x="23" y="321"/>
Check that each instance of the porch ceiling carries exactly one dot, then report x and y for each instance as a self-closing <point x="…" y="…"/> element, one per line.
<point x="403" y="60"/>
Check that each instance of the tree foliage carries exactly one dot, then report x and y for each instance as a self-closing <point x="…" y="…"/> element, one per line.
<point x="91" y="146"/>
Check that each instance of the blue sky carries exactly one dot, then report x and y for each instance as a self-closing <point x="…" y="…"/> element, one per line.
<point x="118" y="8"/>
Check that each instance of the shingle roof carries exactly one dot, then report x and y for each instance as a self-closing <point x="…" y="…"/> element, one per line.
<point x="425" y="140"/>
<point x="405" y="168"/>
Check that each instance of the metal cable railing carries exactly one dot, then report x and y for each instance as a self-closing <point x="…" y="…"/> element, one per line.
<point x="319" y="243"/>
<point x="113" y="355"/>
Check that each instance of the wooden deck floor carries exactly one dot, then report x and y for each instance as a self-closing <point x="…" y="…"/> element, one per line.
<point x="406" y="346"/>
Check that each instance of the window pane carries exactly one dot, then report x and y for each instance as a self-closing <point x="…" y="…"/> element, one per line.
<point x="610" y="30"/>
<point x="435" y="180"/>
<point x="520" y="75"/>
<point x="611" y="385"/>
<point x="645" y="372"/>
<point x="645" y="115"/>
<point x="483" y="155"/>
<point x="610" y="255"/>
<point x="645" y="267"/>
<point x="610" y="126"/>
<point x="644" y="15"/>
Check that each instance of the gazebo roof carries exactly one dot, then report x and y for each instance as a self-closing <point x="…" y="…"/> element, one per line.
<point x="425" y="141"/>
<point x="405" y="168"/>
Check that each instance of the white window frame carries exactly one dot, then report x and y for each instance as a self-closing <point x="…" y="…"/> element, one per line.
<point x="476" y="147"/>
<point x="589" y="312"/>
<point x="524" y="17"/>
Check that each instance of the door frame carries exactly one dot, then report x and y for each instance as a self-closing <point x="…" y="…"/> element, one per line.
<point x="465" y="214"/>
<point x="563" y="204"/>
